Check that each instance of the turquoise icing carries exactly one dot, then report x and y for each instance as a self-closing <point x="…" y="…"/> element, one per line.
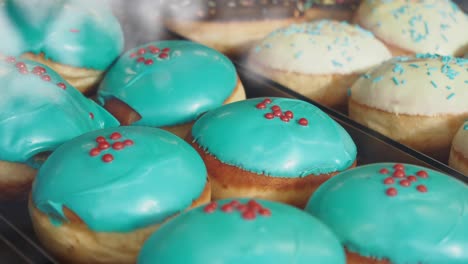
<point x="71" y="32"/>
<point x="239" y="134"/>
<point x="37" y="116"/>
<point x="158" y="176"/>
<point x="288" y="235"/>
<point x="191" y="80"/>
<point x="409" y="228"/>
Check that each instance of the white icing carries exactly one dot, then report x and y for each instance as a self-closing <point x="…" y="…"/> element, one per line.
<point x="426" y="85"/>
<point x="320" y="47"/>
<point x="460" y="141"/>
<point x="419" y="26"/>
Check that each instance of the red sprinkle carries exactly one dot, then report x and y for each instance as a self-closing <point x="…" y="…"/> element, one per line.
<point x="391" y="192"/>
<point x="38" y="70"/>
<point x="107" y="158"/>
<point x="422" y="174"/>
<point x="163" y="55"/>
<point x="277" y="113"/>
<point x="46" y="78"/>
<point x="227" y="208"/>
<point x="241" y="207"/>
<point x="148" y="61"/>
<point x="10" y="59"/>
<point x="412" y="178"/>
<point x="103" y="145"/>
<point x="74" y="30"/>
<point x="384" y="171"/>
<point x="94" y="152"/>
<point x="128" y="142"/>
<point x="133" y="55"/>
<point x="267" y="101"/>
<point x="399" y="174"/>
<point x="248" y="215"/>
<point x="269" y="116"/>
<point x="421" y="188"/>
<point x="303" y="122"/>
<point x="399" y="166"/>
<point x="264" y="212"/>
<point x="115" y="136"/>
<point x="211" y="207"/>
<point x="118" y="145"/>
<point x="166" y="50"/>
<point x="62" y="85"/>
<point x="405" y="183"/>
<point x="20" y="65"/>
<point x="252" y="204"/>
<point x="23" y="70"/>
<point x="100" y="139"/>
<point x="284" y="118"/>
<point x="261" y="106"/>
<point x="91" y="115"/>
<point x="289" y="114"/>
<point x="140" y="59"/>
<point x="235" y="203"/>
<point x="154" y="50"/>
<point x="141" y="51"/>
<point x="275" y="108"/>
<point x="389" y="180"/>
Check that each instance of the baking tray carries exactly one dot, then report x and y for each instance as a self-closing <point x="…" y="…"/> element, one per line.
<point x="18" y="243"/>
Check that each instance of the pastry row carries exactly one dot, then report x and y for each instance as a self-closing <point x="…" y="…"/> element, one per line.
<point x="244" y="187"/>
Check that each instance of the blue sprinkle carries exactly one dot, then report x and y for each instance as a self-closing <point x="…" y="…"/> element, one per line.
<point x="403" y="82"/>
<point x="329" y="47"/>
<point x="466" y="81"/>
<point x="450" y="96"/>
<point x="377" y="79"/>
<point x="395" y="81"/>
<point x="448" y="87"/>
<point x="258" y="49"/>
<point x="367" y="76"/>
<point x="349" y="91"/>
<point x="465" y="127"/>
<point x="298" y="54"/>
<point x="336" y="64"/>
<point x="444" y="37"/>
<point x="414" y="65"/>
<point x="432" y="69"/>
<point x="434" y="84"/>
<point x="349" y="59"/>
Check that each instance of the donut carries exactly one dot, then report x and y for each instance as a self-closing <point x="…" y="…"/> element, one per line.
<point x="230" y="26"/>
<point x="320" y="59"/>
<point x="243" y="231"/>
<point x="330" y="9"/>
<point x="99" y="196"/>
<point x="78" y="39"/>
<point x="38" y="112"/>
<point x="395" y="213"/>
<point x="458" y="158"/>
<point x="169" y="84"/>
<point x="419" y="101"/>
<point x="271" y="148"/>
<point x="419" y="26"/>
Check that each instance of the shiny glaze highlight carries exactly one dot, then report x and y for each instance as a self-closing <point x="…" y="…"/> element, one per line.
<point x="72" y="32"/>
<point x="156" y="177"/>
<point x="410" y="227"/>
<point x="239" y="134"/>
<point x="191" y="80"/>
<point x="288" y="235"/>
<point x="37" y="115"/>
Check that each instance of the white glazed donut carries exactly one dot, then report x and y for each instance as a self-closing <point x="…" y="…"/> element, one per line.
<point x="419" y="101"/>
<point x="419" y="26"/>
<point x="320" y="59"/>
